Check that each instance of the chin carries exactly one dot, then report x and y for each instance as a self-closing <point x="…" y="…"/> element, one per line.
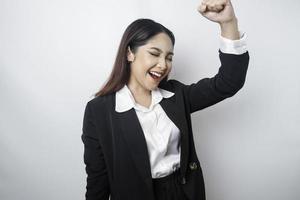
<point x="153" y="87"/>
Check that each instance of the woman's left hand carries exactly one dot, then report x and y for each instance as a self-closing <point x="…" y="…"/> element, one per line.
<point x="220" y="11"/>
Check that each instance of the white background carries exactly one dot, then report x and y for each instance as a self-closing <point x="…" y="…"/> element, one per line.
<point x="54" y="55"/>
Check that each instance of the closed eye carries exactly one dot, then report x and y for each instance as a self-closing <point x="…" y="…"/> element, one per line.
<point x="157" y="55"/>
<point x="154" y="54"/>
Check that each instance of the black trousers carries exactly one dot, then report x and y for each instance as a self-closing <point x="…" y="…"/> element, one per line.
<point x="168" y="188"/>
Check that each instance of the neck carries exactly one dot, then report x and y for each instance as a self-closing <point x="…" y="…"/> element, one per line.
<point x="138" y="90"/>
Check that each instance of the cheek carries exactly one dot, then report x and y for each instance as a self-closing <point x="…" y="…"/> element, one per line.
<point x="149" y="59"/>
<point x="145" y="61"/>
<point x="140" y="69"/>
<point x="136" y="68"/>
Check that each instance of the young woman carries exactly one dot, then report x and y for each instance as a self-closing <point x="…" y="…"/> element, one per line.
<point x="137" y="132"/>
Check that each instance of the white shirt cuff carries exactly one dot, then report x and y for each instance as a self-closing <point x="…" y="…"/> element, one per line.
<point x="237" y="47"/>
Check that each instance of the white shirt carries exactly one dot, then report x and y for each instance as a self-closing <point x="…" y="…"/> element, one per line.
<point x="161" y="134"/>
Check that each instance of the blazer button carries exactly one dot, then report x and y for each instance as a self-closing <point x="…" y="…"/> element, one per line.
<point x="183" y="181"/>
<point x="193" y="165"/>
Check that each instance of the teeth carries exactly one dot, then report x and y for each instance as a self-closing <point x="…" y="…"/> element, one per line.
<point x="156" y="74"/>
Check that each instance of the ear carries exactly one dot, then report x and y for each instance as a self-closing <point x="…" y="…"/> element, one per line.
<point x="130" y="55"/>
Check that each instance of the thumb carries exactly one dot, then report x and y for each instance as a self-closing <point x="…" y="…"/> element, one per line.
<point x="202" y="8"/>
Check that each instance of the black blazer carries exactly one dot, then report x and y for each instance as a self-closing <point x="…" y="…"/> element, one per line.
<point x="115" y="150"/>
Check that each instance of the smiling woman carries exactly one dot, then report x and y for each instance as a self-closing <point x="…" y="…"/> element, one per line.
<point x="149" y="65"/>
<point x="156" y="52"/>
<point x="145" y="46"/>
<point x="137" y="132"/>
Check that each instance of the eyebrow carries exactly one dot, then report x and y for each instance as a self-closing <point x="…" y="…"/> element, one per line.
<point x="157" y="49"/>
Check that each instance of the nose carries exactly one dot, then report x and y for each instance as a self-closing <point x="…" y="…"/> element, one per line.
<point x="162" y="64"/>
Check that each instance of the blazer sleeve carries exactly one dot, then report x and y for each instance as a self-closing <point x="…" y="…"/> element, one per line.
<point x="97" y="187"/>
<point x="227" y="82"/>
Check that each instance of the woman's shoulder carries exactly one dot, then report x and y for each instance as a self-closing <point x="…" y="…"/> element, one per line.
<point x="172" y="85"/>
<point x="101" y="101"/>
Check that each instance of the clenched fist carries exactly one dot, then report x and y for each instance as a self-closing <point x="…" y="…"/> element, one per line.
<point x="220" y="11"/>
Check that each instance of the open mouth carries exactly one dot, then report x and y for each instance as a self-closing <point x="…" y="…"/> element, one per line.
<point x="156" y="76"/>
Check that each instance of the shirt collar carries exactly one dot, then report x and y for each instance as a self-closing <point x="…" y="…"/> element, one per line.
<point x="125" y="100"/>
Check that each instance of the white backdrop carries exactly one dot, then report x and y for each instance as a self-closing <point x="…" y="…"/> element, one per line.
<point x="55" y="54"/>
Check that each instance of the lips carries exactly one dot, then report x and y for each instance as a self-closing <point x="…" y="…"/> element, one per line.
<point x="153" y="76"/>
<point x="157" y="74"/>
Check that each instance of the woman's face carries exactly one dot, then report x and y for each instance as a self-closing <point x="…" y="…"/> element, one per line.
<point x="154" y="56"/>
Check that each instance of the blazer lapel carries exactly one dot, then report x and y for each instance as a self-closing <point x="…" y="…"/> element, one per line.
<point x="134" y="136"/>
<point x="176" y="113"/>
<point x="132" y="133"/>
